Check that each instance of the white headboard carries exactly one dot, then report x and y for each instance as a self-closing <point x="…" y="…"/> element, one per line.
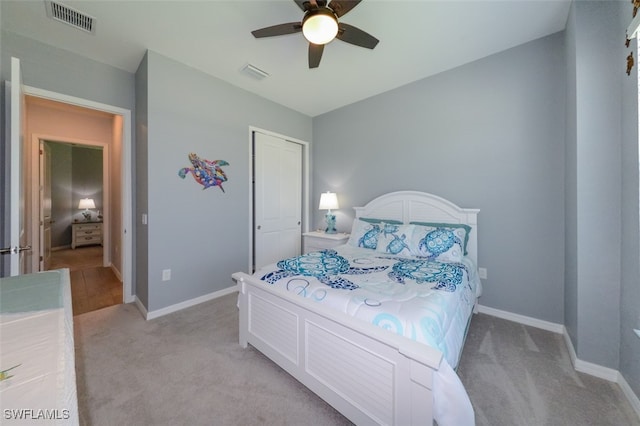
<point x="415" y="206"/>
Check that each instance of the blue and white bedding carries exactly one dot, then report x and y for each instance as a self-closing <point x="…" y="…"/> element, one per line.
<point x="421" y="298"/>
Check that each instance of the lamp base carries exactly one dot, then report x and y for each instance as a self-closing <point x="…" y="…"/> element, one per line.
<point x="331" y="224"/>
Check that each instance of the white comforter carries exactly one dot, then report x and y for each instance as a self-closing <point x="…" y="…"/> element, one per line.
<point x="430" y="302"/>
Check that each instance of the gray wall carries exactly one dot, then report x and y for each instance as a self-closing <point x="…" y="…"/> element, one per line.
<point x="487" y="135"/>
<point x="77" y="174"/>
<point x="50" y="68"/>
<point x="61" y="195"/>
<point x="201" y="235"/>
<point x="594" y="170"/>
<point x="141" y="247"/>
<point x="630" y="248"/>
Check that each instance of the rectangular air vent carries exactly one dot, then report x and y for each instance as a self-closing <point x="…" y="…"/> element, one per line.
<point x="70" y="16"/>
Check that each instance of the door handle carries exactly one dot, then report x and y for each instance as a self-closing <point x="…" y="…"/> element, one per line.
<point x="259" y="227"/>
<point x="14" y="250"/>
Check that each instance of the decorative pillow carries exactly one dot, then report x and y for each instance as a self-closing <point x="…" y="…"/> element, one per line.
<point x="394" y="239"/>
<point x="364" y="234"/>
<point x="453" y="226"/>
<point x="441" y="244"/>
<point x="374" y="220"/>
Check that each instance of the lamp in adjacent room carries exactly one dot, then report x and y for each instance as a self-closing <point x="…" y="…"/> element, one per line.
<point x="86" y="204"/>
<point x="329" y="201"/>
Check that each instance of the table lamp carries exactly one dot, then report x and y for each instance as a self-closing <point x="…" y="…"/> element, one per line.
<point x="86" y="204"/>
<point x="328" y="201"/>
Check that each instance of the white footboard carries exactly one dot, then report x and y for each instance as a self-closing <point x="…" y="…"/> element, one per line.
<point x="369" y="375"/>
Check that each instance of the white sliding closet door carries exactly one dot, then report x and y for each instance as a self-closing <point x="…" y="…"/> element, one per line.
<point x="277" y="199"/>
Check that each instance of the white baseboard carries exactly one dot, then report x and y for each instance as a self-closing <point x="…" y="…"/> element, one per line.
<point x="522" y="319"/>
<point x="149" y="315"/>
<point x="578" y="364"/>
<point x="630" y="394"/>
<point x="116" y="272"/>
<point x="588" y="367"/>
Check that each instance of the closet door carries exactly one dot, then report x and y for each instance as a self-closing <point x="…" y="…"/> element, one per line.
<point x="277" y="199"/>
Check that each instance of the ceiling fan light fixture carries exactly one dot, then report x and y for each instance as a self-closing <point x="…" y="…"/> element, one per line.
<point x="320" y="26"/>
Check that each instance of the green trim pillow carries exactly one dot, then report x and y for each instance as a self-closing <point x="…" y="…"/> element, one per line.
<point x="374" y="220"/>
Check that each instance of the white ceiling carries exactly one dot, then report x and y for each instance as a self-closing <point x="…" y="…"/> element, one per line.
<point x="418" y="38"/>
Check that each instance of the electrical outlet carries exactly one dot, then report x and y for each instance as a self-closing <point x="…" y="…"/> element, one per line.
<point x="144" y="218"/>
<point x="166" y="274"/>
<point x="482" y="273"/>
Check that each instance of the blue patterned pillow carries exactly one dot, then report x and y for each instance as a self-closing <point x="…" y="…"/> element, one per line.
<point x="394" y="239"/>
<point x="455" y="226"/>
<point x="364" y="234"/>
<point x="437" y="243"/>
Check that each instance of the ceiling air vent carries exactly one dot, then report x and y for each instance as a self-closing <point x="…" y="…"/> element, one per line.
<point x="70" y="16"/>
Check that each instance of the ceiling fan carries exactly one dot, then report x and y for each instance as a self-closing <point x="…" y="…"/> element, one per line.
<point x="320" y="25"/>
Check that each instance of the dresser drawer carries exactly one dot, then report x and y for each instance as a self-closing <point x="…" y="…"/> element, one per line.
<point x="86" y="234"/>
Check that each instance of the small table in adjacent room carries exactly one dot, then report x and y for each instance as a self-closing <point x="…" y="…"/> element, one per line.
<point x="86" y="233"/>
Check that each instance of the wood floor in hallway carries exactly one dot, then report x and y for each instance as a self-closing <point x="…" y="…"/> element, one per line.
<point x="92" y="285"/>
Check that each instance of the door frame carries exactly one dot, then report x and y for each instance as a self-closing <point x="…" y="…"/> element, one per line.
<point x="126" y="178"/>
<point x="36" y="194"/>
<point x="306" y="173"/>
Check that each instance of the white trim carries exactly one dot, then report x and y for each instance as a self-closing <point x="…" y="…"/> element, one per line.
<point x="116" y="272"/>
<point x="522" y="319"/>
<point x="183" y="305"/>
<point x="589" y="368"/>
<point x="579" y="365"/>
<point x="127" y="200"/>
<point x="140" y="307"/>
<point x="630" y="394"/>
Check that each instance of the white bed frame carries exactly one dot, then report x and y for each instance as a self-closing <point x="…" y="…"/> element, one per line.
<point x="369" y="375"/>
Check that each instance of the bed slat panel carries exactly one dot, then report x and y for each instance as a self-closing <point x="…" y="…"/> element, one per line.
<point x="275" y="326"/>
<point x="360" y="376"/>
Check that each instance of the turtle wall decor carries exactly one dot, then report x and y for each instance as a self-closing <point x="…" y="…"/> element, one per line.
<point x="206" y="172"/>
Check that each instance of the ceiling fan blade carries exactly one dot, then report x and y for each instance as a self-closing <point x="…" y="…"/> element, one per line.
<point x="356" y="36"/>
<point x="276" y="30"/>
<point x="315" y="54"/>
<point x="301" y="5"/>
<point x="342" y="7"/>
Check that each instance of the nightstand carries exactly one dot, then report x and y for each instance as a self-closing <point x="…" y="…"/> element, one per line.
<point x="318" y="240"/>
<point x="85" y="233"/>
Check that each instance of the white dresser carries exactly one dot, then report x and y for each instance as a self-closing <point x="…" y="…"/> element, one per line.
<point x="86" y="233"/>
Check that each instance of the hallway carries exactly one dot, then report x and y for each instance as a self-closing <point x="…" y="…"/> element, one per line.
<point x="93" y="286"/>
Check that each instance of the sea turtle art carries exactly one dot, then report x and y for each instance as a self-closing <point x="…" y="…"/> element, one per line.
<point x="437" y="242"/>
<point x="370" y="238"/>
<point x="325" y="265"/>
<point x="207" y="173"/>
<point x="446" y="276"/>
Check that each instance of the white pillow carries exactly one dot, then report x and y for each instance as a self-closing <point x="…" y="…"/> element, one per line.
<point x="394" y="239"/>
<point x="364" y="234"/>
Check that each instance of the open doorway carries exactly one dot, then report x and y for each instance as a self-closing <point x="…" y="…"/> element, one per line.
<point x="76" y="154"/>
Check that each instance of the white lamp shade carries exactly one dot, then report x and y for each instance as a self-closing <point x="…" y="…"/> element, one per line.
<point x="320" y="28"/>
<point x="86" y="203"/>
<point x="328" y="201"/>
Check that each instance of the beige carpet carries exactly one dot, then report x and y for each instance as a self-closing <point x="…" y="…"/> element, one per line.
<point x="188" y="369"/>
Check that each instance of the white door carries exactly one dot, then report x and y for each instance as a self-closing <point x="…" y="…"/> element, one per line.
<point x="15" y="164"/>
<point x="277" y="199"/>
<point x="45" y="206"/>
